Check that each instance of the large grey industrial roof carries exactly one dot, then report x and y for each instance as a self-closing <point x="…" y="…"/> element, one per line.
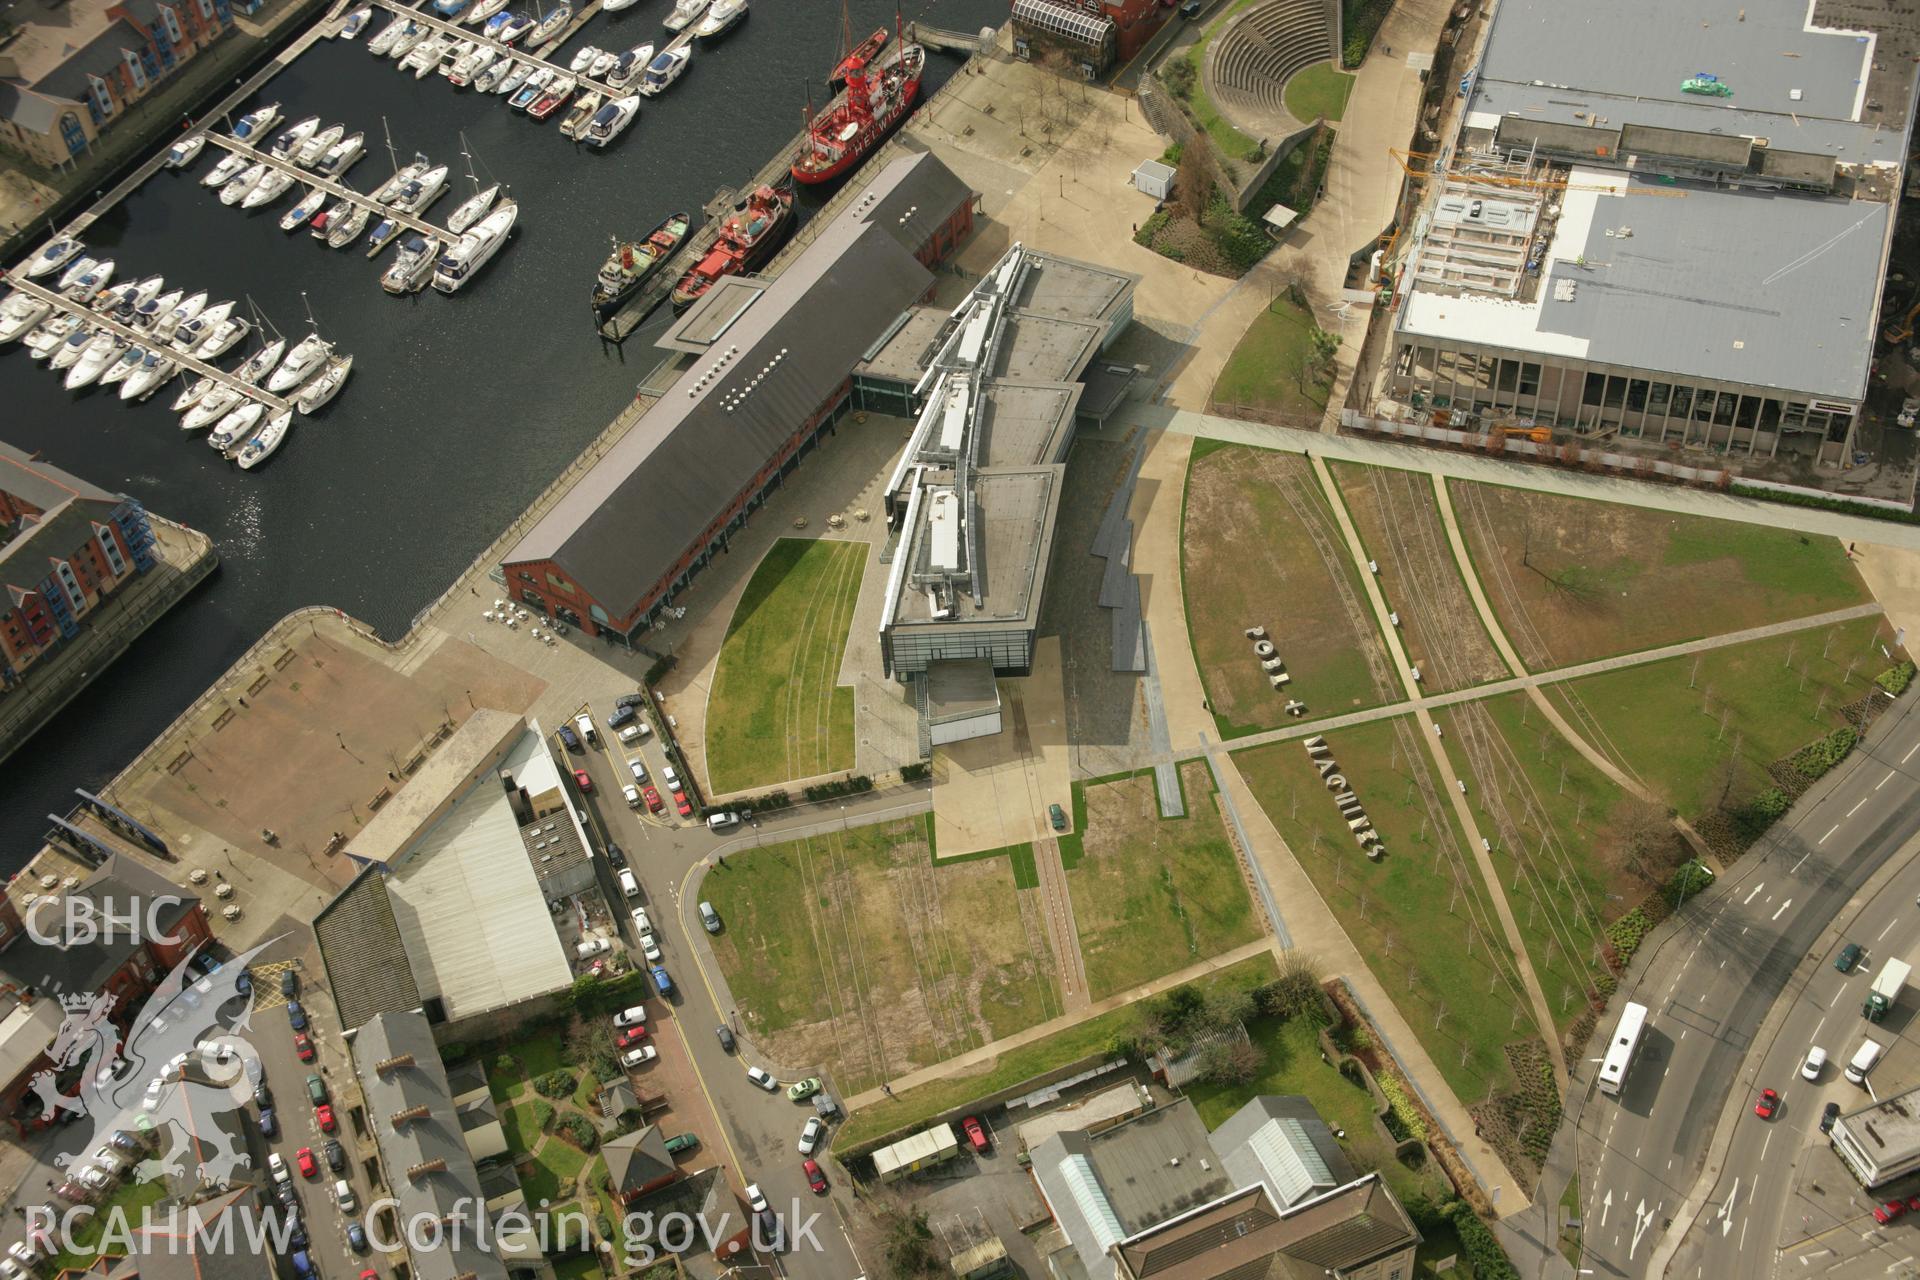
<point x="1024" y="423"/>
<point x="42" y="484"/>
<point x="631" y="518"/>
<point x="1752" y="288"/>
<point x="1013" y="533"/>
<point x="364" y="955"/>
<point x="1625" y="60"/>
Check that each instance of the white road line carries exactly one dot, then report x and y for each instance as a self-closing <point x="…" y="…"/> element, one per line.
<point x="1836" y="997"/>
<point x="1766" y="1144"/>
<point x="1884" y="932"/>
<point x="1910" y="750"/>
<point x="1856" y="806"/>
<point x="1818" y="1025"/>
<point x="1743" y="1233"/>
<point x="1884" y="781"/>
<point x="1756" y="892"/>
<point x="1776" y="916"/>
<point x="1830" y="830"/>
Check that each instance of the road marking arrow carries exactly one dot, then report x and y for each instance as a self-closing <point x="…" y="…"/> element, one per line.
<point x="1643" y="1218"/>
<point x="1605" y="1206"/>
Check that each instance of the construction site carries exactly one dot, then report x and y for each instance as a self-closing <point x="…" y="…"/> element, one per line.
<point x="1683" y="268"/>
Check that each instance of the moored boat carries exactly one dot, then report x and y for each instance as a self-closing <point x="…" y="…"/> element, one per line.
<point x="290" y="140"/>
<point x="685" y="13"/>
<point x="410" y="36"/>
<point x="326" y="386"/>
<point x="238" y="189"/>
<point x="272" y="185"/>
<point x="580" y="114"/>
<point x="304" y="210"/>
<point x="151" y="374"/>
<point x="666" y="68"/>
<point x="301" y="363"/>
<point x="584" y="59"/>
<point x="71" y="347"/>
<point x="252" y="126"/>
<point x="341" y="155"/>
<point x="99" y="354"/>
<point x="448" y="8"/>
<point x="552" y="98"/>
<point x="458" y="265"/>
<point x="225" y="171"/>
<point x="496" y="71"/>
<point x="864" y="53"/>
<point x="128" y="360"/>
<point x="223" y="337"/>
<point x="875" y="102"/>
<point x="484" y="12"/>
<point x="314" y="149"/>
<point x="633" y="263"/>
<point x="148" y="313"/>
<point x="345" y="229"/>
<point x="186" y="151"/>
<point x="412" y="265"/>
<point x="86" y="278"/>
<point x="629" y="67"/>
<point x="383" y="43"/>
<point x="382" y="234"/>
<point x="517" y="27"/>
<point x="195" y="392"/>
<point x="550" y="25"/>
<point x="469" y="68"/>
<point x="182" y="313"/>
<point x="611" y="120"/>
<point x="472" y="209"/>
<point x="258" y="449"/>
<point x="422" y="191"/>
<point x="20" y="313"/>
<point x="531" y="89"/>
<point x="356" y="22"/>
<point x="51" y="335"/>
<point x="747" y="238"/>
<point x="515" y="78"/>
<point x="386" y="191"/>
<point x="52" y="256"/>
<point x="722" y="16"/>
<point x="234" y="427"/>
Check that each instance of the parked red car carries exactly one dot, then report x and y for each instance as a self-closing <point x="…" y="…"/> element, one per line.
<point x="1889" y="1211"/>
<point x="581" y="780"/>
<point x="630" y="1037"/>
<point x="324" y="1115"/>
<point x="652" y="798"/>
<point x="684" y="805"/>
<point x="303" y="1047"/>
<point x="309" y="1167"/>
<point x="975" y="1133"/>
<point x="816" y="1180"/>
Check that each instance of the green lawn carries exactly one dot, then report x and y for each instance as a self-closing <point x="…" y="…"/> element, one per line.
<point x="577" y="1266"/>
<point x="1573" y="579"/>
<point x="854" y="949"/>
<point x="554" y="1169"/>
<point x="1672" y="736"/>
<point x="908" y="1107"/>
<point x="521" y="1127"/>
<point x="510" y="1068"/>
<point x="132" y="1199"/>
<point x="775" y="712"/>
<point x="1568" y="877"/>
<point x="1268" y="369"/>
<point x="1319" y="90"/>
<point x="1152" y="895"/>
<point x="1293" y="1065"/>
<point x="1457" y="987"/>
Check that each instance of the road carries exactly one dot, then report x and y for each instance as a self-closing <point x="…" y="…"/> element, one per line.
<point x="668" y="854"/>
<point x="1645" y="1158"/>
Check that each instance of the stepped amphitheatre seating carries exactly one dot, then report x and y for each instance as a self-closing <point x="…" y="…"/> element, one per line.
<point x="1249" y="63"/>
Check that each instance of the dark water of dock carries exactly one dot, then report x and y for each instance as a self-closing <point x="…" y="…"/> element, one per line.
<point x="459" y="410"/>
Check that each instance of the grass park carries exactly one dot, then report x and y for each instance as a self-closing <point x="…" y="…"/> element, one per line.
<point x="1260" y="547"/>
<point x="1316" y="91"/>
<point x="1572" y="579"/>
<point x="775" y="713"/>
<point x="1274" y="369"/>
<point x="1421" y="915"/>
<point x="1153" y="895"/>
<point x="854" y="950"/>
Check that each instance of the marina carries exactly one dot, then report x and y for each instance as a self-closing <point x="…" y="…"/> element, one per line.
<point x="538" y="58"/>
<point x="456" y="416"/>
<point x="334" y="189"/>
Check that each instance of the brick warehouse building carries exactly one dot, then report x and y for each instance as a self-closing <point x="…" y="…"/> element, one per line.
<point x="770" y="374"/>
<point x="69" y="546"/>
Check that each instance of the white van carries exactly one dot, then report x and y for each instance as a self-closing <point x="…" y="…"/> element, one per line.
<point x="628" y="884"/>
<point x="1863" y="1060"/>
<point x="583" y="725"/>
<point x="632" y="793"/>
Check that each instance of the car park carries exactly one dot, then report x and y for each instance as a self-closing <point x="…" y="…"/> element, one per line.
<point x="323" y="1116"/>
<point x="803" y="1089"/>
<point x="816" y="1180"/>
<point x="1768" y="1104"/>
<point x="631" y="794"/>
<point x="762" y="1077"/>
<point x="1849" y="956"/>
<point x="976" y="1134"/>
<point x="635" y="1016"/>
<point x="296" y="1015"/>
<point x="726" y="1038"/>
<point x="810" y="1134"/>
<point x="1816" y="1062"/>
<point x="652" y="798"/>
<point x="336" y="1155"/>
<point x="302" y="1047"/>
<point x="649" y="948"/>
<point x="682" y="1142"/>
<point x="583" y="780"/>
<point x="569" y="738"/>
<point x="309" y="1167"/>
<point x="639" y="771"/>
<point x="709" y="917"/>
<point x="633" y="1058"/>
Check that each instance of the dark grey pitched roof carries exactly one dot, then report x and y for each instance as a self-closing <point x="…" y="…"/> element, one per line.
<point x="35" y="112"/>
<point x="98" y="56"/>
<point x="122" y="885"/>
<point x="40" y="483"/>
<point x="637" y="1158"/>
<point x="170" y="1250"/>
<point x="363" y="952"/>
<point x="652" y="496"/>
<point x="911" y="198"/>
<point x="54" y="535"/>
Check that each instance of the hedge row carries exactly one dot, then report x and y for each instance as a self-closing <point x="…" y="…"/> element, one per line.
<point x="844" y="787"/>
<point x="1819" y="756"/>
<point x="915" y="772"/>
<point x="1895" y="679"/>
<point x="1825" y="504"/>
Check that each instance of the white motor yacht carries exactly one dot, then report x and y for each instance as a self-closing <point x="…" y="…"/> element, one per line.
<point x="412" y="265"/>
<point x="685" y="12"/>
<point x="210" y="408"/>
<point x="450" y="56"/>
<point x="189" y="310"/>
<point x="326" y="386"/>
<point x="223" y="337"/>
<point x="341" y="155"/>
<point x="550" y="25"/>
<point x="125" y="363"/>
<point x="495" y="72"/>
<point x="225" y="171"/>
<point x="313" y="149"/>
<point x="345" y="229"/>
<point x="386" y="191"/>
<point x="253" y="126"/>
<point x="290" y="140"/>
<point x="473" y="208"/>
<point x="516" y="76"/>
<point x="261" y="446"/>
<point x="422" y="191"/>
<point x="85" y="278"/>
<point x="271" y="187"/>
<point x="52" y="256"/>
<point x="356" y="22"/>
<point x="426" y="55"/>
<point x="20" y="313"/>
<point x="301" y="363"/>
<point x="72" y="347"/>
<point x="148" y="313"/>
<point x="144" y="292"/>
<point x="579" y="114"/>
<point x="186" y="151"/>
<point x="583" y="59"/>
<point x="721" y="16"/>
<point x="665" y="68"/>
<point x="530" y="91"/>
<point x="603" y="63"/>
<point x="468" y="69"/>
<point x="482" y="12"/>
<point x="458" y="265"/>
<point x="629" y="67"/>
<point x="305" y="210"/>
<point x="196" y="392"/>
<point x="380" y="45"/>
<point x="257" y="364"/>
<point x="237" y="190"/>
<point x="615" y="6"/>
<point x="51" y="335"/>
<point x="410" y="35"/>
<point x="152" y="374"/>
<point x="611" y="120"/>
<point x="237" y="425"/>
<point x="95" y="358"/>
<point x="195" y="331"/>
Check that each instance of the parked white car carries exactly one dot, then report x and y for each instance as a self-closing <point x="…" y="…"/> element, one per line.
<point x="762" y="1077"/>
<point x="637" y="1057"/>
<point x="640" y="920"/>
<point x="810" y="1136"/>
<point x="632" y="795"/>
<point x="279" y="1168"/>
<point x="635" y="731"/>
<point x="756" y="1199"/>
<point x="650" y="948"/>
<point x="636" y="1016"/>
